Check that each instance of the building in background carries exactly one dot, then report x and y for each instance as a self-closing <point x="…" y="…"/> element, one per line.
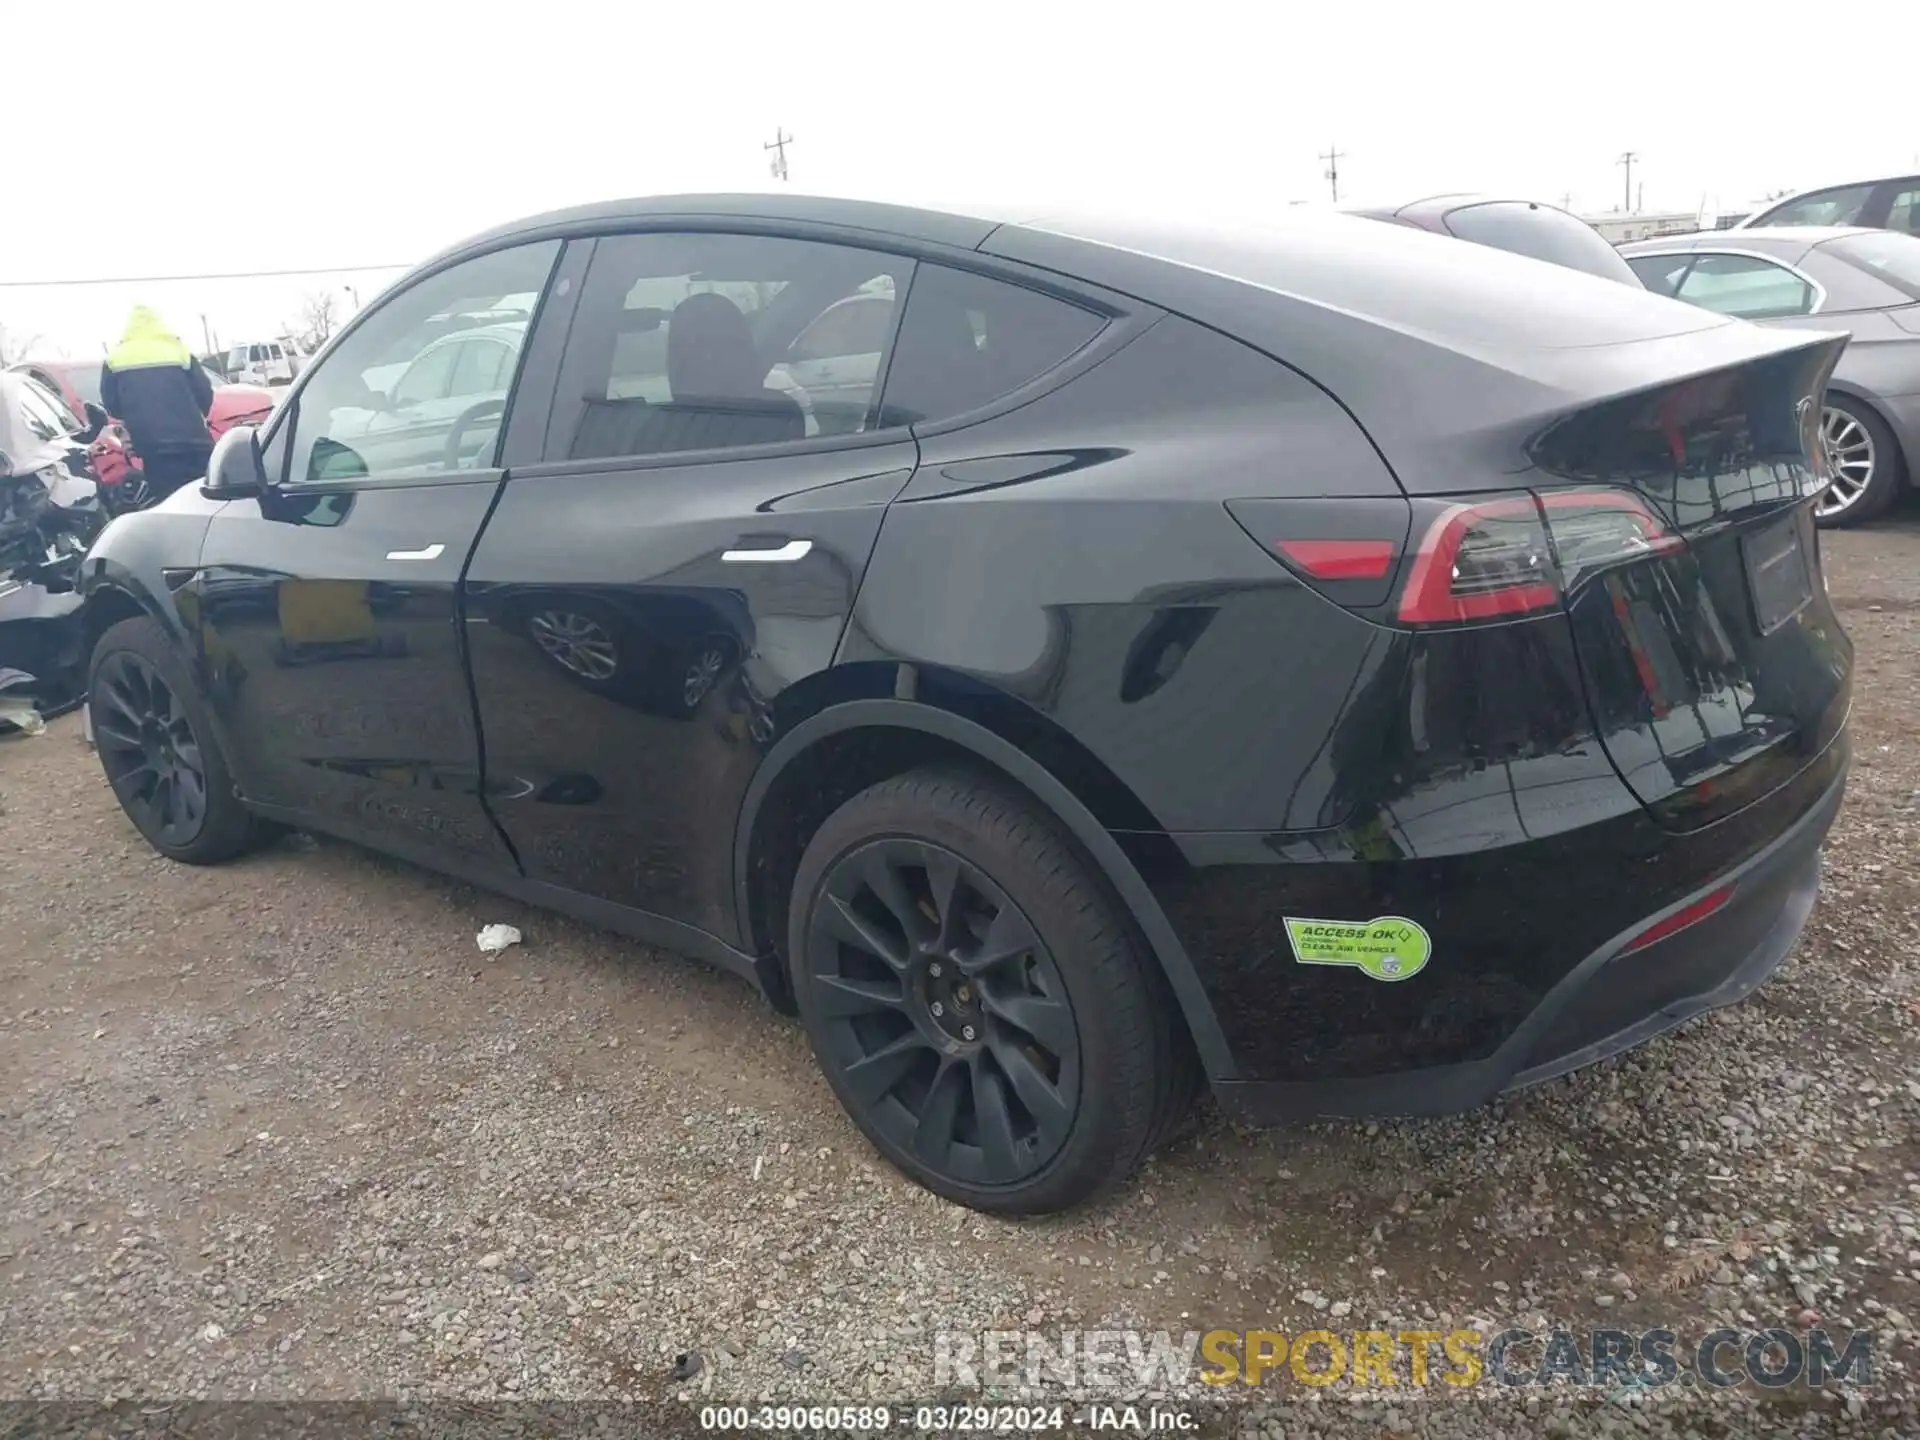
<point x="1619" y="227"/>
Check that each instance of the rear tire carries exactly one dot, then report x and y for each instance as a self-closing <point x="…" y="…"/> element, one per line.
<point x="1867" y="461"/>
<point x="156" y="744"/>
<point x="978" y="1000"/>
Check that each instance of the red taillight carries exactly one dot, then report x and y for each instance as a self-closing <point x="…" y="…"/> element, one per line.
<point x="1478" y="562"/>
<point x="1681" y="919"/>
<point x="1512" y="557"/>
<point x="1340" y="559"/>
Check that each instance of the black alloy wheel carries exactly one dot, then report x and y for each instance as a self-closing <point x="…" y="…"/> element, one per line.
<point x="978" y="999"/>
<point x="148" y="748"/>
<point x="945" y="1011"/>
<point x="156" y="745"/>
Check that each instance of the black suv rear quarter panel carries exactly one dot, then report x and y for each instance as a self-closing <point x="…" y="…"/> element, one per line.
<point x="1076" y="555"/>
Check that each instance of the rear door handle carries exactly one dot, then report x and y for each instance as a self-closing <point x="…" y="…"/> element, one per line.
<point x="430" y="552"/>
<point x="778" y="555"/>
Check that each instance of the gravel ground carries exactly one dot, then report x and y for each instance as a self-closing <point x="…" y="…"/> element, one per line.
<point x="280" y="1131"/>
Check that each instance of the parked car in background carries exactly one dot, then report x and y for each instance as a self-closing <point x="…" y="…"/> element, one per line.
<point x="114" y="465"/>
<point x="1866" y="282"/>
<point x="50" y="511"/>
<point x="1108" y="703"/>
<point x="442" y="409"/>
<point x="1524" y="227"/>
<point x="264" y="362"/>
<point x="1880" y="204"/>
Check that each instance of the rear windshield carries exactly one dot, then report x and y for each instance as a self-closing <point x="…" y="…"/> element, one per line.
<point x="1891" y="257"/>
<point x="1542" y="232"/>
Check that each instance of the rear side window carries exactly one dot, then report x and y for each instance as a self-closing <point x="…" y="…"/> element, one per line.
<point x="691" y="342"/>
<point x="965" y="341"/>
<point x="1542" y="232"/>
<point x="1660" y="273"/>
<point x="1904" y="215"/>
<point x="1747" y="287"/>
<point x="482" y="368"/>
<point x="428" y="378"/>
<point x="1841" y="206"/>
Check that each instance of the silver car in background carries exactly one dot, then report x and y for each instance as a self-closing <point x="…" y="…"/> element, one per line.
<point x="1866" y="282"/>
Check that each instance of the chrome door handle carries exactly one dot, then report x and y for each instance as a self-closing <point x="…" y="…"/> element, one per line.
<point x="430" y="552"/>
<point x="780" y="555"/>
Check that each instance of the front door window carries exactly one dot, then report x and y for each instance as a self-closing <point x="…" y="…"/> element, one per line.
<point x="384" y="404"/>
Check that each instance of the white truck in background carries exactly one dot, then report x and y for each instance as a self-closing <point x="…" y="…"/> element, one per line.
<point x="265" y="362"/>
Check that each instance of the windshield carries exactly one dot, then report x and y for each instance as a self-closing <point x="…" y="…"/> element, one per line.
<point x="1892" y="257"/>
<point x="1542" y="232"/>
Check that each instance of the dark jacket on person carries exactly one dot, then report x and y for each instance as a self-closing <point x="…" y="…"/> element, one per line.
<point x="152" y="385"/>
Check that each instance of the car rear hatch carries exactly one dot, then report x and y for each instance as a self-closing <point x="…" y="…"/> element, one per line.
<point x="1712" y="658"/>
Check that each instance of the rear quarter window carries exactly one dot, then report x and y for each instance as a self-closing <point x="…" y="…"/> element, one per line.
<point x="967" y="340"/>
<point x="1746" y="287"/>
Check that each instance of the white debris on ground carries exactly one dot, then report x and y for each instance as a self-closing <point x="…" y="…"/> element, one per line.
<point x="19" y="715"/>
<point x="495" y="938"/>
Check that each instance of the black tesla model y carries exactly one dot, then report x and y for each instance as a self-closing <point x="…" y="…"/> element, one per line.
<point x="1065" y="661"/>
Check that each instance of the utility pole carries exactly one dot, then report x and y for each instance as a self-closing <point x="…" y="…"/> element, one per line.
<point x="1333" y="157"/>
<point x="1566" y="200"/>
<point x="778" y="145"/>
<point x="1627" y="159"/>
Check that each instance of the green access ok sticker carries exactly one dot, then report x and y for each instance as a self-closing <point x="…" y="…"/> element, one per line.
<point x="1389" y="948"/>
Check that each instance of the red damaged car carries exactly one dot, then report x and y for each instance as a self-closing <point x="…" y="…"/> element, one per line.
<point x="115" y="465"/>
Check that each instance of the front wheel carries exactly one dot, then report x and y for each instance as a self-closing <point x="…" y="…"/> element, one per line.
<point x="1865" y="460"/>
<point x="976" y="999"/>
<point x="151" y="732"/>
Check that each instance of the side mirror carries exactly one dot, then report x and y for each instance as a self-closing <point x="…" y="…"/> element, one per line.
<point x="236" y="470"/>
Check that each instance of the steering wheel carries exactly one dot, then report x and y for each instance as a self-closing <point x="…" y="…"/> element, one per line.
<point x="450" y="456"/>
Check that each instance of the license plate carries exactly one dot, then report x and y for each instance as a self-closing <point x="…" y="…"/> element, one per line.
<point x="1777" y="574"/>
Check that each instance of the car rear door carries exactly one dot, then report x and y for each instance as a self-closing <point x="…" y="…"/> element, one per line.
<point x="673" y="553"/>
<point x="327" y="609"/>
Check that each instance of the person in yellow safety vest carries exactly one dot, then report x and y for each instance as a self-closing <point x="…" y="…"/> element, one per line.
<point x="152" y="385"/>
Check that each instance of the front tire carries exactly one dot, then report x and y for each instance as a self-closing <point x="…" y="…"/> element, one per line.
<point x="156" y="744"/>
<point x="1866" y="462"/>
<point x="976" y="998"/>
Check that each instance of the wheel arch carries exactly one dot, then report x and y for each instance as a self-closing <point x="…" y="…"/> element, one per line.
<point x="883" y="735"/>
<point x="110" y="602"/>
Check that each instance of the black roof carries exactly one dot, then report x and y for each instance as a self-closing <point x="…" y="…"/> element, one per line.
<point x="1403" y="326"/>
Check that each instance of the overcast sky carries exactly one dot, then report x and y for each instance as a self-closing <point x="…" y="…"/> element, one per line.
<point x="184" y="139"/>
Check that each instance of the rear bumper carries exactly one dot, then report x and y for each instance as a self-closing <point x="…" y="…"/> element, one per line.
<point x="1611" y="1001"/>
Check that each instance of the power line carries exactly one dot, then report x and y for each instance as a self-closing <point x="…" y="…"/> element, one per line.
<point x="225" y="275"/>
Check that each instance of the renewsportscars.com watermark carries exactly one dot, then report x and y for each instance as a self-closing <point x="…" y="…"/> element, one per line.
<point x="1131" y="1361"/>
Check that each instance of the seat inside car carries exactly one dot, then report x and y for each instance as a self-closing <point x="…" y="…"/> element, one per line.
<point x="717" y="381"/>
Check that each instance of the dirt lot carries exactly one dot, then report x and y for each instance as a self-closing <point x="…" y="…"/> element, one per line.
<point x="279" y="1130"/>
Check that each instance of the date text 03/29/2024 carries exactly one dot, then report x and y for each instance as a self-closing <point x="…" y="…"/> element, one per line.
<point x="947" y="1419"/>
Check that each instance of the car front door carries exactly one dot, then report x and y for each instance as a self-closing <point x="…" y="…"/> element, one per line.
<point x="678" y="556"/>
<point x="327" y="609"/>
